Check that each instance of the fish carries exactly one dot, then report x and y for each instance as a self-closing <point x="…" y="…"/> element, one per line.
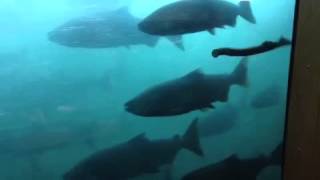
<point x="218" y="122"/>
<point x="117" y="28"/>
<point x="193" y="91"/>
<point x="263" y="47"/>
<point x="233" y="168"/>
<point x="190" y="16"/>
<point x="266" y="98"/>
<point x="137" y="156"/>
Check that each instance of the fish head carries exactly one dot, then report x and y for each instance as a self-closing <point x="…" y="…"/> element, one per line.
<point x="155" y="26"/>
<point x="147" y="104"/>
<point x="151" y="106"/>
<point x="140" y="106"/>
<point x="177" y="18"/>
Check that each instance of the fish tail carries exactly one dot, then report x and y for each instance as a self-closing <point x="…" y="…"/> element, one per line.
<point x="240" y="74"/>
<point x="191" y="140"/>
<point x="276" y="155"/>
<point x="246" y="11"/>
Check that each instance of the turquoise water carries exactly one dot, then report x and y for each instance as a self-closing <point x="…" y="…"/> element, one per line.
<point x="60" y="104"/>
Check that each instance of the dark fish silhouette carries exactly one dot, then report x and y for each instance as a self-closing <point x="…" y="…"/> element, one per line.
<point x="188" y="93"/>
<point x="189" y="16"/>
<point x="268" y="97"/>
<point x="264" y="47"/>
<point x="105" y="30"/>
<point x="219" y="121"/>
<point x="133" y="158"/>
<point x="233" y="168"/>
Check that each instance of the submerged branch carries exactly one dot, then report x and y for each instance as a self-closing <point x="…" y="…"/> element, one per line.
<point x="264" y="47"/>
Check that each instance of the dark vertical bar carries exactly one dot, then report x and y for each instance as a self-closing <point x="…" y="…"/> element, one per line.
<point x="302" y="160"/>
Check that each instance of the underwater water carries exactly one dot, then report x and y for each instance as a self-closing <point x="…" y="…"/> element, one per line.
<point x="63" y="97"/>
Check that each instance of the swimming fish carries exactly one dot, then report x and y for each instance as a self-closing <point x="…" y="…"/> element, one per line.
<point x="194" y="91"/>
<point x="233" y="168"/>
<point x="219" y="121"/>
<point x="264" y="47"/>
<point x="113" y="29"/>
<point x="268" y="97"/>
<point x="135" y="157"/>
<point x="190" y="16"/>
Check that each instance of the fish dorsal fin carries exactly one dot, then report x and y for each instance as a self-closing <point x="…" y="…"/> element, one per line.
<point x="123" y="10"/>
<point x="207" y="108"/>
<point x="139" y="138"/>
<point x="232" y="159"/>
<point x="194" y="75"/>
<point x="212" y="31"/>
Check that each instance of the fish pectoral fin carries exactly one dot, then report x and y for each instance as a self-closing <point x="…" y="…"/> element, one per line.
<point x="140" y="138"/>
<point x="207" y="108"/>
<point x="212" y="31"/>
<point x="177" y="41"/>
<point x="211" y="106"/>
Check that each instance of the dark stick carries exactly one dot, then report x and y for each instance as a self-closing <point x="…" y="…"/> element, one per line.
<point x="264" y="47"/>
